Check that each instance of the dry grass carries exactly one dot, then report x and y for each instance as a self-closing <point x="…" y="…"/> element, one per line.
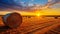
<point x="33" y="25"/>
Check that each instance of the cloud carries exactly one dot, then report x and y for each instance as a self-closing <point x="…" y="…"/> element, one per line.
<point x="49" y="0"/>
<point x="56" y="6"/>
<point x="9" y="4"/>
<point x="53" y="1"/>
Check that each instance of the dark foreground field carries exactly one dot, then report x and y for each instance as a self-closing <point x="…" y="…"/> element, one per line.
<point x="35" y="25"/>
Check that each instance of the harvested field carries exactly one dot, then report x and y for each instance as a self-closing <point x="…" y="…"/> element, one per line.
<point x="34" y="25"/>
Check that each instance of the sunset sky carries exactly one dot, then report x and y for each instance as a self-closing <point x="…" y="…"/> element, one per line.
<point x="19" y="3"/>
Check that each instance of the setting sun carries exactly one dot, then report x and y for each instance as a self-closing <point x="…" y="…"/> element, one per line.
<point x="38" y="14"/>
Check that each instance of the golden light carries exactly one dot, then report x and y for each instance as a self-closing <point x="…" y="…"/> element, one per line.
<point x="38" y="14"/>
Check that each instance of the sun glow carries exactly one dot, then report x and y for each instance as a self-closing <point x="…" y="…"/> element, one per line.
<point x="38" y="14"/>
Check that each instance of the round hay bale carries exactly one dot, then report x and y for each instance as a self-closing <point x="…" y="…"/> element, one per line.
<point x="13" y="20"/>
